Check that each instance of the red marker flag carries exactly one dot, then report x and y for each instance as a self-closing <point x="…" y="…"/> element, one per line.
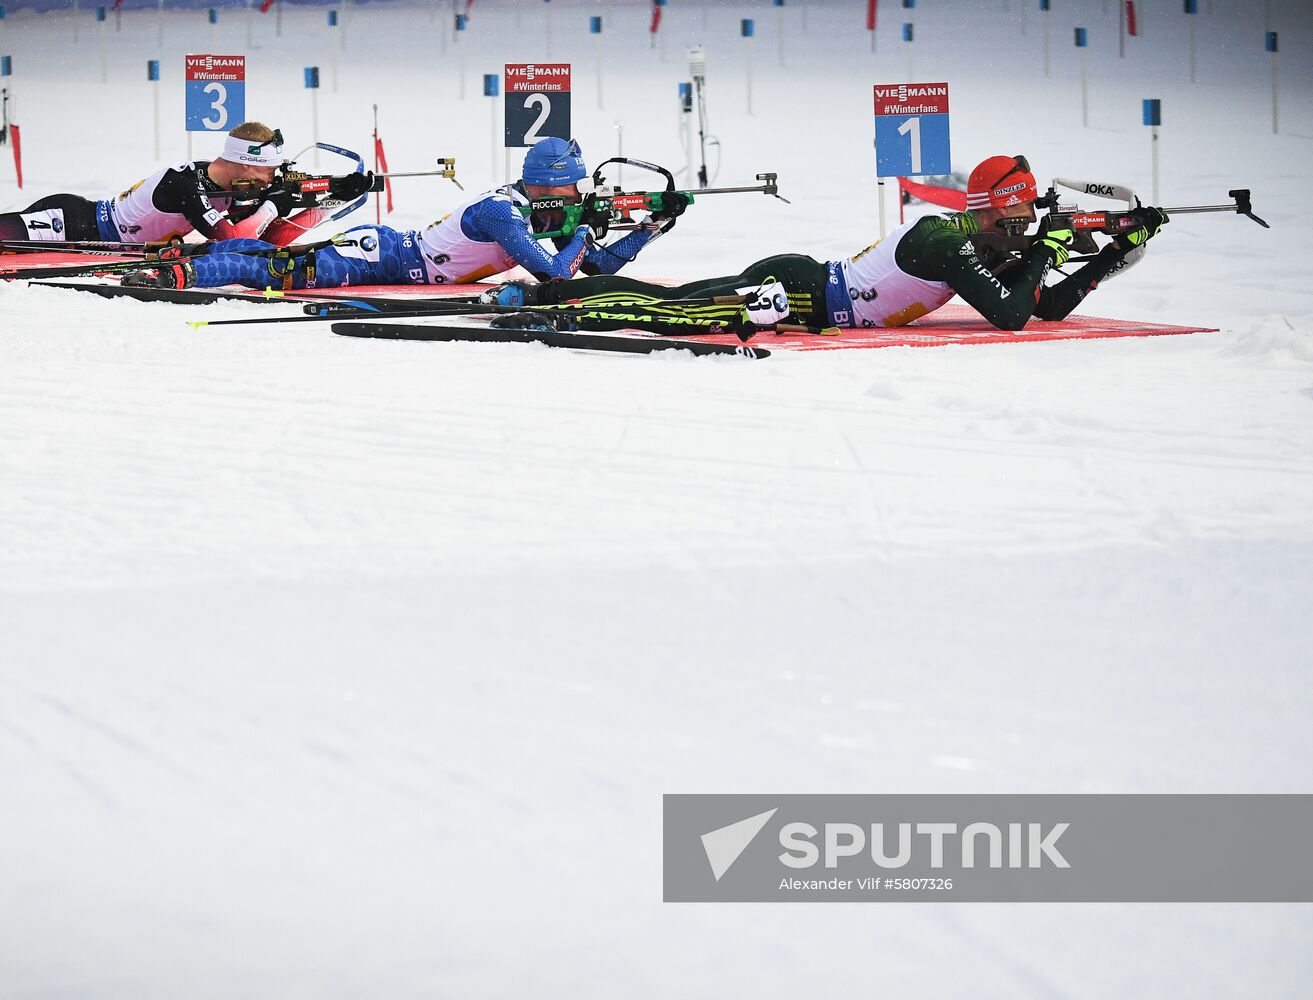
<point x="18" y="152"/>
<point x="870" y="15"/>
<point x="941" y="196"/>
<point x="382" y="159"/>
<point x="656" y="16"/>
<point x="265" y="5"/>
<point x="1130" y="18"/>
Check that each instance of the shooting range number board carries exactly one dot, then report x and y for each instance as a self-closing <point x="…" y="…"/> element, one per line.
<point x="215" y="92"/>
<point x="911" y="129"/>
<point x="537" y="102"/>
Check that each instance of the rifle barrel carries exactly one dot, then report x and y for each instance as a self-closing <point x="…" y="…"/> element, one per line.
<point x="1188" y="209"/>
<point x="765" y="188"/>
<point x="1239" y="209"/>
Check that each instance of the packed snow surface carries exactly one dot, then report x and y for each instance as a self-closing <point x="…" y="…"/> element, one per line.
<point x="337" y="668"/>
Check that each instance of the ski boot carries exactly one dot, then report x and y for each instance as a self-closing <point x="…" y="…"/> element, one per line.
<point x="511" y="293"/>
<point x="171" y="276"/>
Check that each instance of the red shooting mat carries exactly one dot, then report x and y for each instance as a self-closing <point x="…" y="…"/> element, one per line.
<point x="952" y="324"/>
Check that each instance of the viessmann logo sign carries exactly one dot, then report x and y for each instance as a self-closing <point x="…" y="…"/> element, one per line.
<point x="1114" y="848"/>
<point x="911" y="98"/>
<point x="545" y="78"/>
<point x="230" y="69"/>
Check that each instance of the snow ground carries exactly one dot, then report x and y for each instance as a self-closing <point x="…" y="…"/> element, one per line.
<point x="333" y="668"/>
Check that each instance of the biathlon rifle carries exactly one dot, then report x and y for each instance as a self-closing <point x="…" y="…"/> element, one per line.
<point x="329" y="190"/>
<point x="618" y="206"/>
<point x="1086" y="223"/>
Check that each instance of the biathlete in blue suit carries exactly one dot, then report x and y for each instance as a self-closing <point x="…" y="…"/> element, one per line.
<point x="486" y="235"/>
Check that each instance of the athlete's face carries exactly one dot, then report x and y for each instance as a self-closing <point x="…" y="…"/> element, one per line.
<point x="228" y="174"/>
<point x="989" y="218"/>
<point x="554" y="219"/>
<point x="570" y="192"/>
<point x="264" y="175"/>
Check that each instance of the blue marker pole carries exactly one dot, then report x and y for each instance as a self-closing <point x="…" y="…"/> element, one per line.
<point x="1082" y="43"/>
<point x="214" y="29"/>
<point x="312" y="85"/>
<point x="332" y="44"/>
<point x="909" y="33"/>
<point x="746" y="30"/>
<point x="153" y="76"/>
<point x="1044" y="10"/>
<point x="492" y="90"/>
<point x="595" y="29"/>
<point x="1191" y="9"/>
<point x="1153" y="117"/>
<point x="459" y="34"/>
<point x="104" y="45"/>
<point x="686" y="129"/>
<point x="779" y="26"/>
<point x="7" y="94"/>
<point x="1270" y="43"/>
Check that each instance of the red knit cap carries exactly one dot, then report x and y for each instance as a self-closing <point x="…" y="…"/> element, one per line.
<point x="1001" y="182"/>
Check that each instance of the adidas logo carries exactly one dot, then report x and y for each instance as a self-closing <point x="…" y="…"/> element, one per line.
<point x="967" y="250"/>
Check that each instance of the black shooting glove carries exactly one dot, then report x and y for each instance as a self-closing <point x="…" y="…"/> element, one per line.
<point x="286" y="202"/>
<point x="1150" y="221"/>
<point x="246" y="198"/>
<point x="352" y="186"/>
<point x="673" y="205"/>
<point x="596" y="217"/>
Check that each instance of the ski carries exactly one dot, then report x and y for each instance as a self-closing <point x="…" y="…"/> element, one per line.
<point x="81" y="246"/>
<point x="84" y="270"/>
<point x="316" y="304"/>
<point x="552" y="338"/>
<point x="189" y="296"/>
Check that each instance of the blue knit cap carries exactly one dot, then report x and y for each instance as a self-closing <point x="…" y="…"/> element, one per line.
<point x="554" y="163"/>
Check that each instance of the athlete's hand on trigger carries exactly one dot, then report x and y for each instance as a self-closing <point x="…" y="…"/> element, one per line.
<point x="352" y="186"/>
<point x="285" y="202"/>
<point x="1151" y="221"/>
<point x="595" y="217"/>
<point x="673" y="204"/>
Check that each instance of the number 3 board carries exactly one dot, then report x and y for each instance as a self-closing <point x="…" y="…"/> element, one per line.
<point x="215" y="92"/>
